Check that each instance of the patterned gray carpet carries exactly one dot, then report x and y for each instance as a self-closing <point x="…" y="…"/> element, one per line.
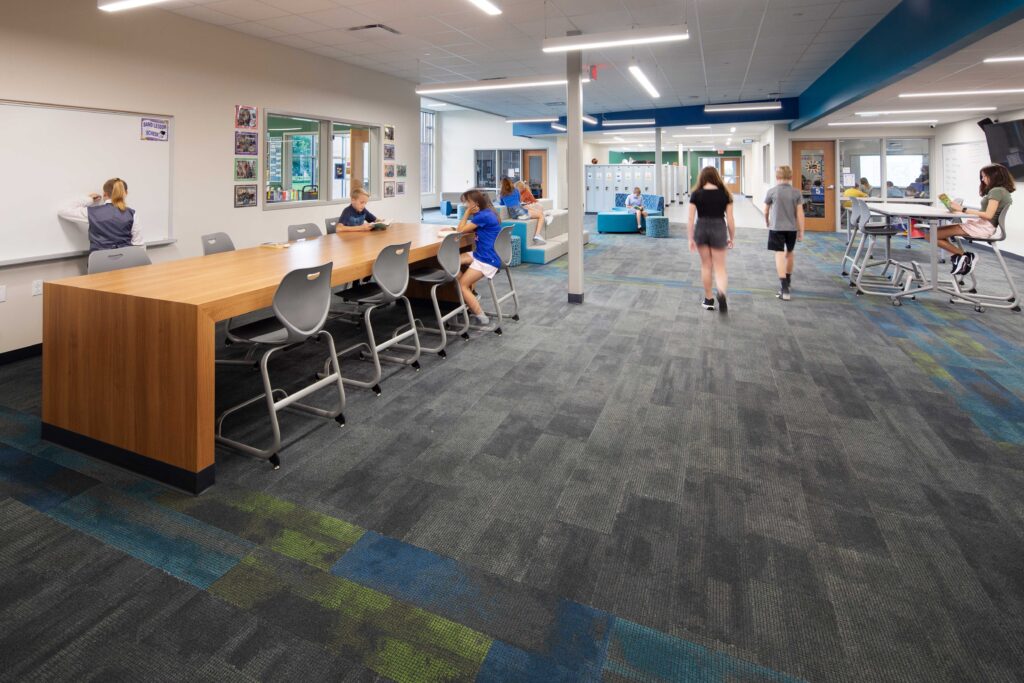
<point x="829" y="487"/>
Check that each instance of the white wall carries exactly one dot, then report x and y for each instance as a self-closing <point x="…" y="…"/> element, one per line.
<point x="968" y="131"/>
<point x="463" y="132"/>
<point x="59" y="51"/>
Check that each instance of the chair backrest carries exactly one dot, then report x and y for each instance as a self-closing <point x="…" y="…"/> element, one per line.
<point x="503" y="245"/>
<point x="332" y="225"/>
<point x="115" y="259"/>
<point x="391" y="270"/>
<point x="217" y="242"/>
<point x="448" y="254"/>
<point x="303" y="231"/>
<point x="303" y="300"/>
<point x="1000" y="233"/>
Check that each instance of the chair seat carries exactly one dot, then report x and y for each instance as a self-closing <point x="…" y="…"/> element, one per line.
<point x="267" y="331"/>
<point x="361" y="293"/>
<point x="431" y="276"/>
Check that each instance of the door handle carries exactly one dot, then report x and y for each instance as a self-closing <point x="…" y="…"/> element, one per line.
<point x="831" y="187"/>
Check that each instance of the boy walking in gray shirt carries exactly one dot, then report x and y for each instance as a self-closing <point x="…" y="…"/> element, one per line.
<point x="784" y="215"/>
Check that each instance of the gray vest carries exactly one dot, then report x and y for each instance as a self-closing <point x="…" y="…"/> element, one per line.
<point x="110" y="228"/>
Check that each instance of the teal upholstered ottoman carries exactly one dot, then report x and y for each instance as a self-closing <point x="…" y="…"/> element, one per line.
<point x="657" y="226"/>
<point x="517" y="251"/>
<point x="616" y="221"/>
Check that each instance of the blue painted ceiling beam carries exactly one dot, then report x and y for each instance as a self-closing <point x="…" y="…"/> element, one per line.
<point x="670" y="116"/>
<point x="914" y="35"/>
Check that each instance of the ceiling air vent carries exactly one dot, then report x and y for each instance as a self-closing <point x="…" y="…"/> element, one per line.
<point x="554" y="104"/>
<point x="369" y="27"/>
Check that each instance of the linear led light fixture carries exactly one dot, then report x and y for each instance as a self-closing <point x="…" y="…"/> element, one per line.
<point x="487" y="6"/>
<point x="886" y="123"/>
<point x="589" y="119"/>
<point x="628" y="122"/>
<point x="629" y="132"/>
<point x="958" y="93"/>
<point x="536" y="119"/>
<point x="628" y="142"/>
<point x="752" y="106"/>
<point x="698" y="128"/>
<point x="118" y="5"/>
<point x="495" y="84"/>
<point x="644" y="82"/>
<point x="559" y="127"/>
<point x="924" y="111"/>
<point x="701" y="135"/>
<point x="996" y="60"/>
<point x="633" y="36"/>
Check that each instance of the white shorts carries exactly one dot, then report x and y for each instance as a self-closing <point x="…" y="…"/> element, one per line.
<point x="487" y="269"/>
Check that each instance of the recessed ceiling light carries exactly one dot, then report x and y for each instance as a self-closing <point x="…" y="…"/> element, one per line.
<point x="733" y="129"/>
<point x="701" y="135"/>
<point x="118" y="5"/>
<point x="885" y="123"/>
<point x="645" y="82"/>
<point x="994" y="60"/>
<point x="536" y="119"/>
<point x="958" y="93"/>
<point x="698" y="127"/>
<point x="559" y="127"/>
<point x="628" y="122"/>
<point x="634" y="36"/>
<point x="618" y="139"/>
<point x="753" y="106"/>
<point x="487" y="6"/>
<point x="589" y="119"/>
<point x="924" y="111"/>
<point x="631" y="132"/>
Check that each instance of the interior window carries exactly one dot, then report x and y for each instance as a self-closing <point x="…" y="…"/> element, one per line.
<point x="907" y="168"/>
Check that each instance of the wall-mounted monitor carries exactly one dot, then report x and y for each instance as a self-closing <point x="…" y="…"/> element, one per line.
<point x="1006" y="145"/>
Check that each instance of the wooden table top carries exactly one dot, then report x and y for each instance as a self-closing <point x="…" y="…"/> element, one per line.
<point x="236" y="282"/>
<point x="913" y="210"/>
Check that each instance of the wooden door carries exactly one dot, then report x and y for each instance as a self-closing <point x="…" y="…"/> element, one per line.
<point x="732" y="173"/>
<point x="535" y="171"/>
<point x="814" y="173"/>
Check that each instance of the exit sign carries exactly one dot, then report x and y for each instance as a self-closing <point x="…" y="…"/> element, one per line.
<point x="748" y="141"/>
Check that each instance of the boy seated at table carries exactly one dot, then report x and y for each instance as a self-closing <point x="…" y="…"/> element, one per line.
<point x="356" y="217"/>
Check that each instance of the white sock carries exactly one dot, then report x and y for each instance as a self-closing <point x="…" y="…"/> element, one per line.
<point x="482" y="319"/>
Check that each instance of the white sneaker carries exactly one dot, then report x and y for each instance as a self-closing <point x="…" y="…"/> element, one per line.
<point x="482" y="319"/>
<point x="548" y="219"/>
<point x="539" y="240"/>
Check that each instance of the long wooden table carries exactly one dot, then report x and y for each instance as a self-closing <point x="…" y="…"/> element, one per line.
<point x="128" y="355"/>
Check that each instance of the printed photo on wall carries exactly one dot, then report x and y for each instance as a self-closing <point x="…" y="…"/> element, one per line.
<point x="399" y="189"/>
<point x="245" y="169"/>
<point x="389" y="170"/>
<point x="389" y="133"/>
<point x="389" y="152"/>
<point x="400" y="170"/>
<point x="245" y="195"/>
<point x="245" y="117"/>
<point x="339" y="171"/>
<point x="389" y="190"/>
<point x="246" y="144"/>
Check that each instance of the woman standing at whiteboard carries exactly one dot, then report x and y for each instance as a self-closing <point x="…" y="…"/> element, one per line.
<point x="111" y="223"/>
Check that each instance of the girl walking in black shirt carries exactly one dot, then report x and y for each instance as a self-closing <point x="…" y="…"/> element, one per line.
<point x="712" y="230"/>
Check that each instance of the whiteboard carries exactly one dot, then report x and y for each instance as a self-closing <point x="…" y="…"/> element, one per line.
<point x="53" y="155"/>
<point x="961" y="162"/>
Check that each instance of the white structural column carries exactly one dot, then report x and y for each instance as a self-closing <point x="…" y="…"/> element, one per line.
<point x="659" y="174"/>
<point x="684" y="173"/>
<point x="574" y="169"/>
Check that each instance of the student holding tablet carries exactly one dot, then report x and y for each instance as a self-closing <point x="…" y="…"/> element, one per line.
<point x="110" y="221"/>
<point x="995" y="189"/>
<point x="356" y="217"/>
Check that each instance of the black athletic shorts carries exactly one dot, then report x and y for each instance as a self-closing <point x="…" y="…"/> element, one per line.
<point x="781" y="240"/>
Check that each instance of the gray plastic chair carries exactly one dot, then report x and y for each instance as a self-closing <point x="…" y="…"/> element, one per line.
<point x="332" y="225"/>
<point x="503" y="247"/>
<point x="301" y="304"/>
<point x="448" y="273"/>
<point x="303" y="231"/>
<point x="105" y="260"/>
<point x="217" y="243"/>
<point x="1009" y="300"/>
<point x="884" y="283"/>
<point x="391" y="279"/>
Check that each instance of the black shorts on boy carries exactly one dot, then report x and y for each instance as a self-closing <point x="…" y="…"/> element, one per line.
<point x="781" y="240"/>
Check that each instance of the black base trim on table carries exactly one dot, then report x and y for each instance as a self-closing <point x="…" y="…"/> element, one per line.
<point x="21" y="354"/>
<point x="575" y="298"/>
<point x="192" y="482"/>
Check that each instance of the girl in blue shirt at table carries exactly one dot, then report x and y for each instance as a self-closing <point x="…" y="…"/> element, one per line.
<point x="996" y="186"/>
<point x="110" y="221"/>
<point x="483" y="261"/>
<point x="510" y="198"/>
<point x="635" y="202"/>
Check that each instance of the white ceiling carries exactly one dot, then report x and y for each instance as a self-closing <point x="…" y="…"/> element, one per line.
<point x="738" y="49"/>
<point x="721" y="136"/>
<point x="964" y="70"/>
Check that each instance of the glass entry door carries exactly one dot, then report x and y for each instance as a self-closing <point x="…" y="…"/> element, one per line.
<point x="732" y="173"/>
<point x="814" y="169"/>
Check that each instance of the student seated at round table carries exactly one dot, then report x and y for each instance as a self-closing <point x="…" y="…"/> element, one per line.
<point x="996" y="186"/>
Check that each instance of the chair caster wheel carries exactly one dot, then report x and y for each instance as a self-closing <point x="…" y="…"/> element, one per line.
<point x="416" y="365"/>
<point x="465" y="335"/>
<point x="952" y="300"/>
<point x="844" y="273"/>
<point x="979" y="309"/>
<point x="897" y="302"/>
<point x="1016" y="309"/>
<point x="228" y="342"/>
<point x="275" y="461"/>
<point x="913" y="298"/>
<point x="376" y="389"/>
<point x="860" y="293"/>
<point x="442" y="353"/>
<point x="497" y="331"/>
<point x="340" y="419"/>
<point x="516" y="317"/>
<point x="973" y="290"/>
<point x="852" y="284"/>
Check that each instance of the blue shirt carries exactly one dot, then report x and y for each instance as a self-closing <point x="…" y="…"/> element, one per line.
<point x="487" y="228"/>
<point x="350" y="218"/>
<point x="512" y="199"/>
<point x="634" y="200"/>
